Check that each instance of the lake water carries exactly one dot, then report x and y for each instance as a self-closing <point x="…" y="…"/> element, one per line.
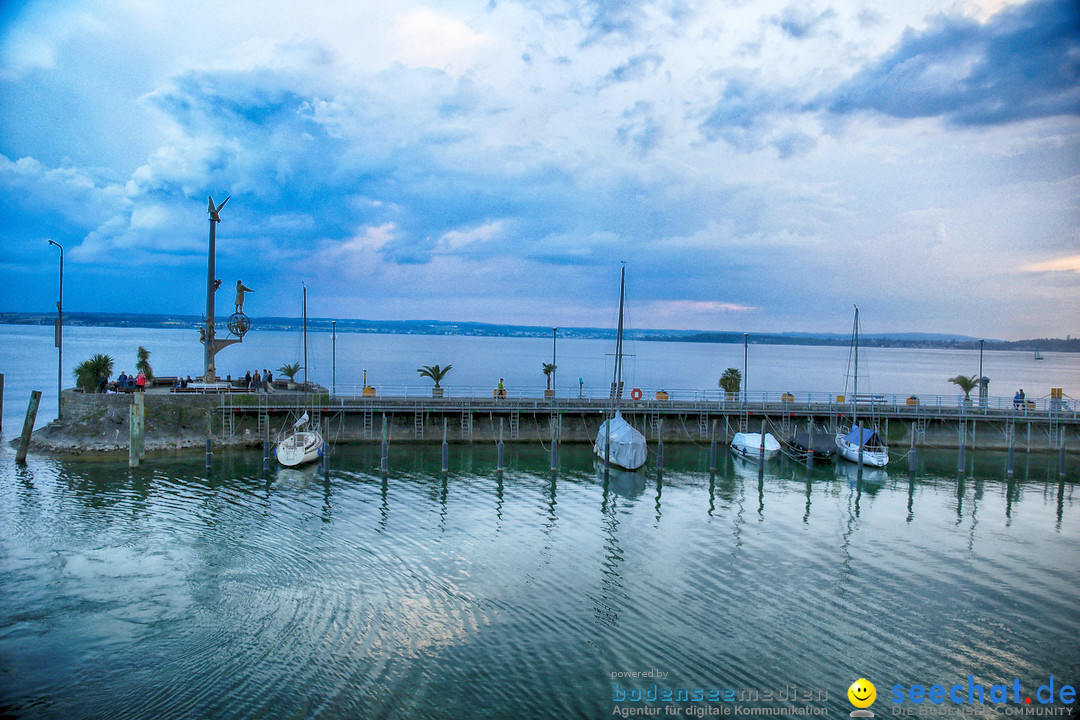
<point x="169" y="592"/>
<point x="28" y="360"/>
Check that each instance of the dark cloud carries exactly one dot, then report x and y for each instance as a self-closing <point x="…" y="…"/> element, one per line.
<point x="1023" y="63"/>
<point x="801" y="21"/>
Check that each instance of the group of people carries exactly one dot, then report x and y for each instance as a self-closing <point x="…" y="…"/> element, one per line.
<point x="126" y="382"/>
<point x="1019" y="399"/>
<point x="254" y="382"/>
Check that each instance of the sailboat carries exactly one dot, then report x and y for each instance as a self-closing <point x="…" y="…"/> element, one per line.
<point x="859" y="444"/>
<point x="301" y="446"/>
<point x="1038" y="354"/>
<point x="618" y="443"/>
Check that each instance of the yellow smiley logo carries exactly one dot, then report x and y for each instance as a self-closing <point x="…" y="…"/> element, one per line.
<point x="862" y="693"/>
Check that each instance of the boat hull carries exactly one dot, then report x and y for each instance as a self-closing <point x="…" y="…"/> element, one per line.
<point x="299" y="449"/>
<point x="748" y="445"/>
<point x="821" y="444"/>
<point x="874" y="457"/>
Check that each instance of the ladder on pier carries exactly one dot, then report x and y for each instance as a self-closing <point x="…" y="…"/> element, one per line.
<point x="654" y="421"/>
<point x="369" y="422"/>
<point x="466" y="422"/>
<point x="226" y="422"/>
<point x="703" y="425"/>
<point x="264" y="424"/>
<point x="418" y="424"/>
<point x="920" y="430"/>
<point x="515" y="423"/>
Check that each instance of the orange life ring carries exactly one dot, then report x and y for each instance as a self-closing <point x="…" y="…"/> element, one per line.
<point x="635" y="393"/>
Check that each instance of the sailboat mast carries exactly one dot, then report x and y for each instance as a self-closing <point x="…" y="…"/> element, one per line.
<point x="618" y="338"/>
<point x="855" y="399"/>
<point x="305" y="336"/>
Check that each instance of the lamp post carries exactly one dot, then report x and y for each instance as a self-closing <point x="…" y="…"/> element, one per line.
<point x="982" y="385"/>
<point x="59" y="334"/>
<point x="333" y="361"/>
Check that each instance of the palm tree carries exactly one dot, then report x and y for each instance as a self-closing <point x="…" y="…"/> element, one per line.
<point x="88" y="371"/>
<point x="289" y="370"/>
<point x="142" y="363"/>
<point x="434" y="372"/>
<point x="549" y="368"/>
<point x="967" y="384"/>
<point x="731" y="381"/>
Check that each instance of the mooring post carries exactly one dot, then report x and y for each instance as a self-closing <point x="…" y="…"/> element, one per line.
<point x="326" y="446"/>
<point x="209" y="449"/>
<point x="607" y="447"/>
<point x="133" y="442"/>
<point x="660" y="447"/>
<point x="445" y="450"/>
<point x="1061" y="453"/>
<point x="810" y="443"/>
<point x="2" y="402"/>
<point x="761" y="448"/>
<point x="28" y="426"/>
<point x="140" y="404"/>
<point x="385" y="444"/>
<point x="1010" y="430"/>
<point x="499" y="463"/>
<point x="712" y="447"/>
<point x="266" y="448"/>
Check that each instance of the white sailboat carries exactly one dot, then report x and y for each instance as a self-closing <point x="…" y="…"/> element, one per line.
<point x="859" y="444"/>
<point x="301" y="446"/>
<point x="618" y="443"/>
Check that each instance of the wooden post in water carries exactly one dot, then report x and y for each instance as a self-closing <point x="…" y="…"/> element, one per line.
<point x="140" y="403"/>
<point x="445" y="451"/>
<point x="761" y="448"/>
<point x="385" y="447"/>
<point x="209" y="448"/>
<point x="810" y="443"/>
<point x="266" y="448"/>
<point x="1061" y="453"/>
<point x="555" y="443"/>
<point x="28" y="426"/>
<point x="712" y="447"/>
<point x="326" y="446"/>
<point x="136" y="414"/>
<point x="1010" y="430"/>
<point x="660" y="447"/>
<point x="499" y="463"/>
<point x="961" y="428"/>
<point x="2" y="402"/>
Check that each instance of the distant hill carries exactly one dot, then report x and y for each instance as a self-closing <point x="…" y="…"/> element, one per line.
<point x="441" y="327"/>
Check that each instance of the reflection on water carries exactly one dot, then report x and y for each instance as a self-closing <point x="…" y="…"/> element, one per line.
<point x="166" y="592"/>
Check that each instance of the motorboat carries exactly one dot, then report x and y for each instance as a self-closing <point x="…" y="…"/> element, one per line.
<point x="618" y="443"/>
<point x="300" y="446"/>
<point x="748" y="445"/>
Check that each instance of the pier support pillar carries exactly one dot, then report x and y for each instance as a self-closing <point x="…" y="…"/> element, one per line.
<point x="712" y="447"/>
<point x="499" y="463"/>
<point x="383" y="465"/>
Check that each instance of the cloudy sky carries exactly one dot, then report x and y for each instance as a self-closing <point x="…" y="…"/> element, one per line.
<point x="760" y="165"/>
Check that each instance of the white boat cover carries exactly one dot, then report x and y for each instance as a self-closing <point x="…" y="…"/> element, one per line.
<point x="628" y="448"/>
<point x="748" y="445"/>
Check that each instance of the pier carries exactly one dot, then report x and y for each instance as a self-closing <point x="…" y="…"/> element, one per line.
<point x="999" y="423"/>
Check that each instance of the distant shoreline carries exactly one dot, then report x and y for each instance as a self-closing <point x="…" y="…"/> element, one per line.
<point x="437" y="327"/>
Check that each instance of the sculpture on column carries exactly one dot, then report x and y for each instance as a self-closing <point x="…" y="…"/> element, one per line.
<point x="241" y="288"/>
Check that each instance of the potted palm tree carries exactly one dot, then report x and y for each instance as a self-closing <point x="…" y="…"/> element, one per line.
<point x="289" y="370"/>
<point x="967" y="384"/>
<point x="549" y="369"/>
<point x="731" y="382"/>
<point x="88" y="373"/>
<point x="436" y="373"/>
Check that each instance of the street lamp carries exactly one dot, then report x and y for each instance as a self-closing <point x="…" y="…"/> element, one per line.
<point x="553" y="331"/>
<point x="59" y="334"/>
<point x="333" y="325"/>
<point x="745" y="342"/>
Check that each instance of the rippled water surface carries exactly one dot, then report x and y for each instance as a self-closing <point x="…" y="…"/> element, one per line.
<point x="168" y="592"/>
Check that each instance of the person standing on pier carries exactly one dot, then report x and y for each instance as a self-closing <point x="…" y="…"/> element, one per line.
<point x="140" y="382"/>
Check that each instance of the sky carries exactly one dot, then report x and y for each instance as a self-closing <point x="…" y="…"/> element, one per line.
<point x="758" y="166"/>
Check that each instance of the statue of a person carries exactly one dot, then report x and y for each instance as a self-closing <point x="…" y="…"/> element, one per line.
<point x="240" y="290"/>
